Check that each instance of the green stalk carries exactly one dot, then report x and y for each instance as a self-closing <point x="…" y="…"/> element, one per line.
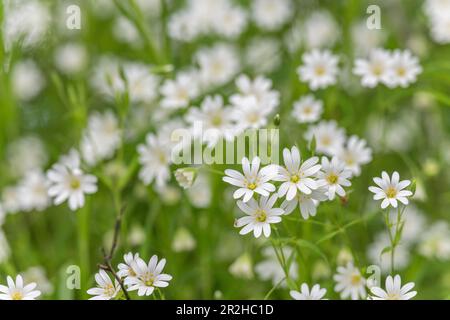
<point x="83" y="217"/>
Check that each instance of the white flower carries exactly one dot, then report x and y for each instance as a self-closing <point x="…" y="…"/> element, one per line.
<point x="27" y="80"/>
<point x="271" y="14"/>
<point x="183" y="241"/>
<point x="405" y="68"/>
<point x="154" y="157"/>
<point x="270" y="268"/>
<point x="263" y="54"/>
<point x="334" y="176"/>
<point x="101" y="138"/>
<point x="355" y="154"/>
<point x="350" y="282"/>
<point x="307" y="109"/>
<point x="259" y="216"/>
<point x="377" y="69"/>
<point x="37" y="274"/>
<point x="253" y="180"/>
<point x="126" y="269"/>
<point x="229" y="21"/>
<point x="296" y="176"/>
<point x="242" y="267"/>
<point x="34" y="191"/>
<point x="390" y="190"/>
<point x="316" y="293"/>
<point x="141" y="83"/>
<point x="26" y="154"/>
<point x="394" y="290"/>
<point x="435" y="242"/>
<point x="217" y="64"/>
<point x="328" y="136"/>
<point x="185" y="177"/>
<point x="260" y="88"/>
<point x="179" y="92"/>
<point x="25" y="21"/>
<point x="212" y="121"/>
<point x="70" y="183"/>
<point x="148" y="276"/>
<point x="320" y="30"/>
<point x="249" y="114"/>
<point x="106" y="289"/>
<point x="319" y="69"/>
<point x="307" y="203"/>
<point x="11" y="199"/>
<point x="18" y="290"/>
<point x="71" y="58"/>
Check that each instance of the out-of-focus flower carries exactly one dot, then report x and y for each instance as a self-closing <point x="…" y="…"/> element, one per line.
<point x="384" y="259"/>
<point x="435" y="242"/>
<point x="37" y="274"/>
<point x="200" y="193"/>
<point x="355" y="154"/>
<point x="242" y="267"/>
<point x="320" y="30"/>
<point x="179" y="92"/>
<point x="350" y="282"/>
<point x="271" y="14"/>
<point x="263" y="54"/>
<point x="270" y="268"/>
<point x="27" y="80"/>
<point x="26" y="154"/>
<point x="328" y="136"/>
<point x="25" y="21"/>
<point x="101" y="138"/>
<point x="307" y="109"/>
<point x="155" y="160"/>
<point x="71" y="58"/>
<point x="183" y="241"/>
<point x="34" y="191"/>
<point x="218" y="64"/>
<point x="319" y="69"/>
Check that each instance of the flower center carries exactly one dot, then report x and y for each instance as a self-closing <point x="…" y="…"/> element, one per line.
<point x="377" y="70"/>
<point x="17" y="296"/>
<point x="326" y="140"/>
<point x="131" y="272"/>
<point x="307" y="110"/>
<point x="216" y="121"/>
<point x="355" y="279"/>
<point x="260" y="215"/>
<point x="109" y="290"/>
<point x="401" y="71"/>
<point x="75" y="183"/>
<point x="393" y="296"/>
<point x="149" y="279"/>
<point x="295" y="178"/>
<point x="251" y="186"/>
<point x="391" y="192"/>
<point x="320" y="70"/>
<point x="332" y="178"/>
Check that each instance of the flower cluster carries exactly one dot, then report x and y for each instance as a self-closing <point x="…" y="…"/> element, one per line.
<point x="135" y="274"/>
<point x="438" y="13"/>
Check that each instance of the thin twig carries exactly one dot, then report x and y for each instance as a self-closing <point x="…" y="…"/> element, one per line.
<point x="107" y="266"/>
